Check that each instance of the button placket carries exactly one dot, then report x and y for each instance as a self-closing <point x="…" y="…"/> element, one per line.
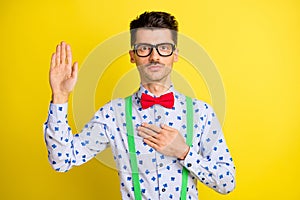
<point x="159" y="115"/>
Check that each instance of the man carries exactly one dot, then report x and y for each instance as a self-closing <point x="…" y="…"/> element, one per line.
<point x="161" y="153"/>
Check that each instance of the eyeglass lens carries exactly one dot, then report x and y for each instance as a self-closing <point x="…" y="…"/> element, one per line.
<point x="164" y="49"/>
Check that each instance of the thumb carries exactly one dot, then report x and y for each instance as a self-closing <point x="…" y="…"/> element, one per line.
<point x="74" y="70"/>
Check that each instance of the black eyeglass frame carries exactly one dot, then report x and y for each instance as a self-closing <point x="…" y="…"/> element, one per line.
<point x="154" y="46"/>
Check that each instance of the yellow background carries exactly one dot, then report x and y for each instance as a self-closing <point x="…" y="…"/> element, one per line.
<point x="254" y="44"/>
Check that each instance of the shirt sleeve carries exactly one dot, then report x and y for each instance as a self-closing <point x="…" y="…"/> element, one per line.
<point x="65" y="149"/>
<point x="212" y="164"/>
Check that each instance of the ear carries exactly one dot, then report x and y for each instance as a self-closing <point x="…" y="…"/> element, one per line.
<point x="131" y="54"/>
<point x="175" y="55"/>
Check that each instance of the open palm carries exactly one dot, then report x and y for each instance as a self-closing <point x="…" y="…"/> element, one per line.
<point x="63" y="74"/>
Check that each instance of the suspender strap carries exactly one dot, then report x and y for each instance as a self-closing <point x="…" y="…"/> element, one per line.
<point x="189" y="141"/>
<point x="132" y="151"/>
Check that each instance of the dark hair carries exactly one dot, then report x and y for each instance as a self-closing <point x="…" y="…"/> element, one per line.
<point x="152" y="20"/>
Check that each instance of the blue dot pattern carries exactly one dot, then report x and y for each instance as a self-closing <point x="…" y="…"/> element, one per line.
<point x="208" y="160"/>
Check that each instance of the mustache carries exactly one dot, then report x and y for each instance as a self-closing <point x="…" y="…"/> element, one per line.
<point x="153" y="63"/>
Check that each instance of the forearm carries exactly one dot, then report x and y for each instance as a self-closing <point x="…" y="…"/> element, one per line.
<point x="220" y="176"/>
<point x="64" y="150"/>
<point x="209" y="159"/>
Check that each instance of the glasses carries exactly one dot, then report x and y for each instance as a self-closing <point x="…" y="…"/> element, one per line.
<point x="163" y="49"/>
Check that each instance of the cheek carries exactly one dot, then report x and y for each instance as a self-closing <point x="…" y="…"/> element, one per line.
<point x="169" y="61"/>
<point x="141" y="61"/>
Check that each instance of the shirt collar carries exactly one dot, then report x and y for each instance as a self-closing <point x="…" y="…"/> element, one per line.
<point x="142" y="90"/>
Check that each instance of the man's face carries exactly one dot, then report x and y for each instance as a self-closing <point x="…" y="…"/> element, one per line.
<point x="154" y="68"/>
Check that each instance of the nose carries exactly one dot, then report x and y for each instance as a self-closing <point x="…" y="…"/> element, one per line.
<point x="154" y="56"/>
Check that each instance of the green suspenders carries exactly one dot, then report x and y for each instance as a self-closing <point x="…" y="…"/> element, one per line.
<point x="131" y="146"/>
<point x="132" y="151"/>
<point x="189" y="141"/>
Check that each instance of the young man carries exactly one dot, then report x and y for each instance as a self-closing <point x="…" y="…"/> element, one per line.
<point x="159" y="119"/>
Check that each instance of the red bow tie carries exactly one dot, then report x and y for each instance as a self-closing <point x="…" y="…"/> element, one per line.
<point x="166" y="100"/>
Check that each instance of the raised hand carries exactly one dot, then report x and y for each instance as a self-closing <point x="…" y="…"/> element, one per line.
<point x="63" y="74"/>
<point x="164" y="139"/>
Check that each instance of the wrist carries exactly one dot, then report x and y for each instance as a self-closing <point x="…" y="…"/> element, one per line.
<point x="59" y="98"/>
<point x="185" y="152"/>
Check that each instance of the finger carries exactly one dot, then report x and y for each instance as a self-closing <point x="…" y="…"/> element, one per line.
<point x="69" y="54"/>
<point x="58" y="54"/>
<point x="151" y="143"/>
<point x="143" y="135"/>
<point x="52" y="64"/>
<point x="152" y="127"/>
<point x="166" y="127"/>
<point x="146" y="131"/>
<point x="74" y="71"/>
<point x="63" y="53"/>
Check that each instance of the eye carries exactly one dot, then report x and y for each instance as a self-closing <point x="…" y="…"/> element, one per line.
<point x="165" y="47"/>
<point x="144" y="47"/>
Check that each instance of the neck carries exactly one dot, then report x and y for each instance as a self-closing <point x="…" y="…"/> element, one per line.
<point x="157" y="88"/>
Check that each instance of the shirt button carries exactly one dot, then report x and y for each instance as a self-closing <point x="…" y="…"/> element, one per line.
<point x="160" y="164"/>
<point x="158" y="117"/>
<point x="189" y="165"/>
<point x="163" y="190"/>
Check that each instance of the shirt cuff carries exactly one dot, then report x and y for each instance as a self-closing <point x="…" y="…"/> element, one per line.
<point x="191" y="161"/>
<point x="58" y="112"/>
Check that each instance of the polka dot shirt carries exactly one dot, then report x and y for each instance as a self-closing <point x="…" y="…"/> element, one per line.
<point x="208" y="161"/>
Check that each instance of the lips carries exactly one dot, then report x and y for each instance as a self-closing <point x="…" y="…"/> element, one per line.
<point x="154" y="67"/>
<point x="152" y="64"/>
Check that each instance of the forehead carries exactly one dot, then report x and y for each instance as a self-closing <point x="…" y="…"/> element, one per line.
<point x="153" y="36"/>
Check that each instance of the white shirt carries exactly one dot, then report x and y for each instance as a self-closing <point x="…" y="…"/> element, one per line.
<point x="208" y="160"/>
